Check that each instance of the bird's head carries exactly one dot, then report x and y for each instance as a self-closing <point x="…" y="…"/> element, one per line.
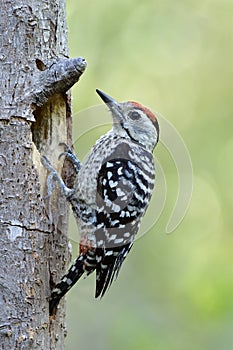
<point x="134" y="121"/>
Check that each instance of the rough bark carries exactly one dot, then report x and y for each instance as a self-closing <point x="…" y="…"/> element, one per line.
<point x="35" y="74"/>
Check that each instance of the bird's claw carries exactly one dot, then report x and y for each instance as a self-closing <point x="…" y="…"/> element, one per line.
<point x="71" y="156"/>
<point x="53" y="177"/>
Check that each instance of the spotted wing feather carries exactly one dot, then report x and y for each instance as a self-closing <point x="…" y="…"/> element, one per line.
<point x="123" y="194"/>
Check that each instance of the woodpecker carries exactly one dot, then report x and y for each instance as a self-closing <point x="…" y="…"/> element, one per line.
<point x="111" y="193"/>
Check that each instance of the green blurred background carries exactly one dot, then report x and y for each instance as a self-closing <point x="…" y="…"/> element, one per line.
<point x="174" y="292"/>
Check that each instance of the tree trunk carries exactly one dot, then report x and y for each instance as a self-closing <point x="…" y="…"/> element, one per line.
<point x="35" y="117"/>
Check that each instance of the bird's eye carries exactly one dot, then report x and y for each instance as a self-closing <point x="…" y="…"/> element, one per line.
<point x="134" y="115"/>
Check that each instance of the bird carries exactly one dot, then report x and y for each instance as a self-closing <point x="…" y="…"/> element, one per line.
<point x="110" y="195"/>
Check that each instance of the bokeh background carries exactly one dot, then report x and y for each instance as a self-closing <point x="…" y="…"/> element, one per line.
<point x="174" y="292"/>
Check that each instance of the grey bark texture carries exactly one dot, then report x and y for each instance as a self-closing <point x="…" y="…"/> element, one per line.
<point x="35" y="117"/>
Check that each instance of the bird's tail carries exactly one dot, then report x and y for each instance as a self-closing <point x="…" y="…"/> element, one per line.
<point x="109" y="266"/>
<point x="67" y="281"/>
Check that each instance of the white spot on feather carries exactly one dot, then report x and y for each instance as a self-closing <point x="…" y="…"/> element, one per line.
<point x="118" y="240"/>
<point x="109" y="252"/>
<point x="109" y="174"/>
<point x="119" y="192"/>
<point x="126" y="234"/>
<point x="112" y="183"/>
<point x="119" y="171"/>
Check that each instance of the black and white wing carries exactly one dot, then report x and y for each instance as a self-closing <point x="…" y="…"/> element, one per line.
<point x="124" y="189"/>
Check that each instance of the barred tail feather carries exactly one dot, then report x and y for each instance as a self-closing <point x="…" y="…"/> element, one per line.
<point x="108" y="268"/>
<point x="67" y="281"/>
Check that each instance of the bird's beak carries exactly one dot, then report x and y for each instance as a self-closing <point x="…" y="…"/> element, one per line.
<point x="114" y="106"/>
<point x="107" y="99"/>
<point x="110" y="102"/>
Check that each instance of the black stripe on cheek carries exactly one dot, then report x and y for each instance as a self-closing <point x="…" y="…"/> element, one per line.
<point x="128" y="133"/>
